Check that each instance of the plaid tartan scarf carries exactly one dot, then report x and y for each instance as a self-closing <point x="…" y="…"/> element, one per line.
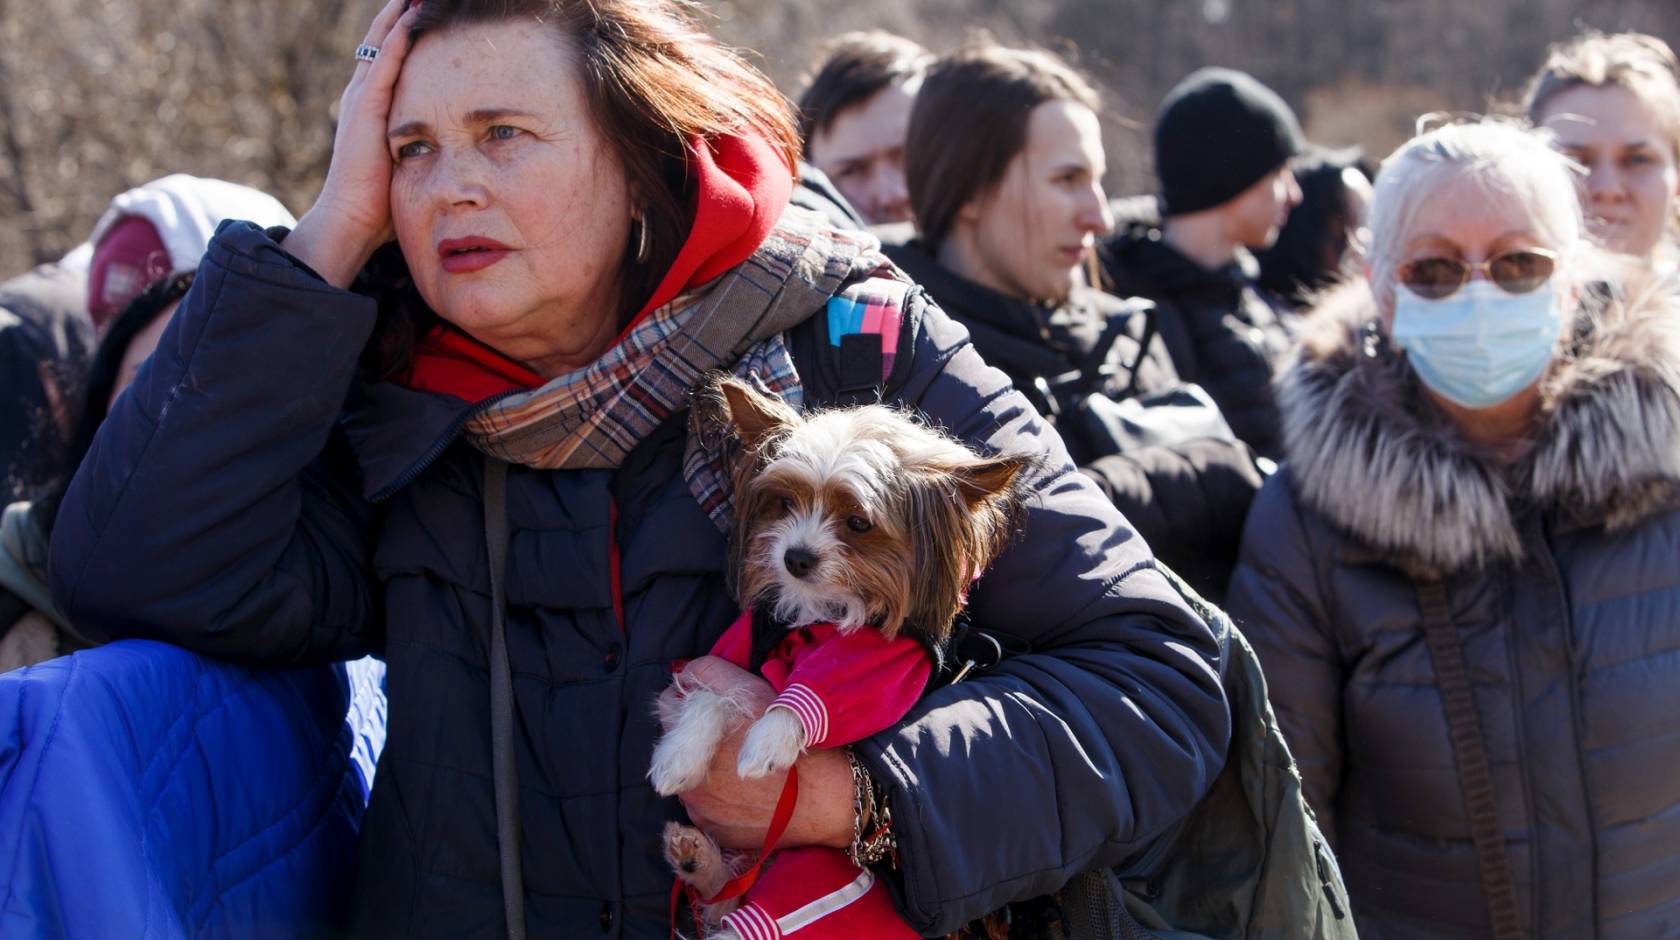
<point x="594" y="417"/>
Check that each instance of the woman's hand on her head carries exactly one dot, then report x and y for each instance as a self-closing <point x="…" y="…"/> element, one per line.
<point x="352" y="216"/>
<point x="736" y="811"/>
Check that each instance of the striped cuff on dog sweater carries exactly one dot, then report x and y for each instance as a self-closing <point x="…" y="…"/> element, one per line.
<point x="753" y="923"/>
<point x="812" y="713"/>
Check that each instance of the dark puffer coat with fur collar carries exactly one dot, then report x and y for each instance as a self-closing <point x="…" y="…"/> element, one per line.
<point x="1563" y="574"/>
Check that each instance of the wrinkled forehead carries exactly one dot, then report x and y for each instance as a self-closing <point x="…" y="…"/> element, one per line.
<point x="510" y="65"/>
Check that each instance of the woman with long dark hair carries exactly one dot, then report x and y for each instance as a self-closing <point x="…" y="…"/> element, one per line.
<point x="1005" y="162"/>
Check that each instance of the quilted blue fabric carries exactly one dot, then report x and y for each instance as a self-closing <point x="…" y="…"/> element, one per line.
<point x="148" y="792"/>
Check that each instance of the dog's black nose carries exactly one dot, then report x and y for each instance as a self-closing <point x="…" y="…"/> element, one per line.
<point x="800" y="561"/>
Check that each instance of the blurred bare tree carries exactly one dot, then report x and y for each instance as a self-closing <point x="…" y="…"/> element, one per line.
<point x="100" y="95"/>
<point x="1357" y="71"/>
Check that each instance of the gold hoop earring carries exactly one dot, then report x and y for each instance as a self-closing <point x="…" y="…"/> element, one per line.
<point x="642" y="240"/>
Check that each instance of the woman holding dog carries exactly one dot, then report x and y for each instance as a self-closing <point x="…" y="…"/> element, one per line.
<point x="589" y="208"/>
<point x="1462" y="582"/>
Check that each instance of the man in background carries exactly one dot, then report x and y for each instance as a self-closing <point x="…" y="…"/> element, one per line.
<point x="854" y="115"/>
<point x="1223" y="146"/>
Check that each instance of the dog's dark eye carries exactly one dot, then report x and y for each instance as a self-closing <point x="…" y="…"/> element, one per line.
<point x="858" y="524"/>
<point x="787" y="504"/>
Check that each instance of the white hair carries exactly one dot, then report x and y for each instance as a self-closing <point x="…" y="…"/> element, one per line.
<point x="1507" y="159"/>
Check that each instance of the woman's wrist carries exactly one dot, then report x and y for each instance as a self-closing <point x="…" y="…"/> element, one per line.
<point x="873" y="838"/>
<point x="329" y="249"/>
<point x="823" y="814"/>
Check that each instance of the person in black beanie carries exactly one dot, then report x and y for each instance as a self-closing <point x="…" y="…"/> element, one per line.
<point x="1223" y="146"/>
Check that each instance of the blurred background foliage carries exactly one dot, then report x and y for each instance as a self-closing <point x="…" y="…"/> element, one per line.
<point x="100" y="95"/>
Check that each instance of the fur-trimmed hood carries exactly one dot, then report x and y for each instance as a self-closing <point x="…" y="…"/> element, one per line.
<point x="1370" y="452"/>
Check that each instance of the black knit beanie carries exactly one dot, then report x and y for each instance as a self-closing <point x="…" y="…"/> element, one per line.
<point x="1218" y="133"/>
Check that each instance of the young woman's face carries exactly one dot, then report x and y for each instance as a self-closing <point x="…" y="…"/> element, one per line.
<point x="1631" y="183"/>
<point x="1032" y="230"/>
<point x="512" y="213"/>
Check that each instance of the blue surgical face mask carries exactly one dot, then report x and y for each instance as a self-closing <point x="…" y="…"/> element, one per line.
<point x="1481" y="345"/>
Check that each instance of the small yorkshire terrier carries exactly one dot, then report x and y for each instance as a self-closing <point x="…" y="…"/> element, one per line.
<point x="857" y="535"/>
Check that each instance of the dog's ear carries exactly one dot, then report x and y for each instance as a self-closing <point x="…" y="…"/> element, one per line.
<point x="755" y="416"/>
<point x="987" y="478"/>
<point x="955" y="539"/>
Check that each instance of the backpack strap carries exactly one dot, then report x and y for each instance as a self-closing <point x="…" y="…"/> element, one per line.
<point x="504" y="769"/>
<point x="1475" y="781"/>
<point x="1091" y="375"/>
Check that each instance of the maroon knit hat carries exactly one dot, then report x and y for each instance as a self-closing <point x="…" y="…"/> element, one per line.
<point x="127" y="260"/>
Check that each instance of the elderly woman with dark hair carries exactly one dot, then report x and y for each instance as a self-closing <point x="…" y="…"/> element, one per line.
<point x="1462" y="583"/>
<point x="590" y="208"/>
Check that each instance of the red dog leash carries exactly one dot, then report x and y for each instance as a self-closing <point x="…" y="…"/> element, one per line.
<point x="740" y="884"/>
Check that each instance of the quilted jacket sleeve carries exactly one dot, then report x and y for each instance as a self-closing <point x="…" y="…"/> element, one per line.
<point x="217" y="509"/>
<point x="1187" y="501"/>
<point x="149" y="792"/>
<point x="1275" y="600"/>
<point x="1007" y="785"/>
<point x="1232" y="354"/>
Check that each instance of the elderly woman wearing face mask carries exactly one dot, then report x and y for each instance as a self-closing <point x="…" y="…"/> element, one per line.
<point x="1463" y="582"/>
<point x="470" y="454"/>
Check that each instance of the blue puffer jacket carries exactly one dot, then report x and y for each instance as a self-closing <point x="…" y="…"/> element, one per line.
<point x="252" y="498"/>
<point x="147" y="792"/>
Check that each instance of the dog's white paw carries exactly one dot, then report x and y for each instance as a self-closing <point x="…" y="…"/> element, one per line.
<point x="697" y="720"/>
<point x="773" y="743"/>
<point x="678" y="765"/>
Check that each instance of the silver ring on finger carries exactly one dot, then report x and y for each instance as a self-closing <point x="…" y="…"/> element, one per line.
<point x="366" y="53"/>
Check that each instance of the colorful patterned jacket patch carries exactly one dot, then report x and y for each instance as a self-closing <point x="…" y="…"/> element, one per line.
<point x="872" y="307"/>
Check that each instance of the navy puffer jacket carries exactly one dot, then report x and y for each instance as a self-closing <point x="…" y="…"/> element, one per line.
<point x="253" y="499"/>
<point x="1562" y="572"/>
<point x="1187" y="499"/>
<point x="1222" y="332"/>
